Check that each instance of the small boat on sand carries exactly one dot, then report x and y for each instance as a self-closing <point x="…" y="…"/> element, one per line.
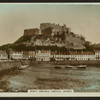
<point x="81" y="66"/>
<point x="23" y="66"/>
<point x="69" y="66"/>
<point x="58" y="67"/>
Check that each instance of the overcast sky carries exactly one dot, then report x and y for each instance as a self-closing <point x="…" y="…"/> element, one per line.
<point x="81" y="18"/>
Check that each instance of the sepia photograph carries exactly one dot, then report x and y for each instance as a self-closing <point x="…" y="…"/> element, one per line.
<point x="49" y="47"/>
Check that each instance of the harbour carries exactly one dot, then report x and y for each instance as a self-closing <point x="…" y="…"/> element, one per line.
<point x="45" y="76"/>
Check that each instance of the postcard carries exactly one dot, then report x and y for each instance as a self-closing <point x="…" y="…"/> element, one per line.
<point x="49" y="49"/>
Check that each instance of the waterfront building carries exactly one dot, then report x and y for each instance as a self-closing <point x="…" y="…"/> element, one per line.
<point x="97" y="54"/>
<point x="16" y="55"/>
<point x="47" y="55"/>
<point x="3" y="55"/>
<point x="43" y="55"/>
<point x="86" y="55"/>
<point x="73" y="55"/>
<point x="59" y="56"/>
<point x="32" y="55"/>
<point x="25" y="55"/>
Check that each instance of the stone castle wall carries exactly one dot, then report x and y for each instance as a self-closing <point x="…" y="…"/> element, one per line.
<point x="31" y="31"/>
<point x="47" y="31"/>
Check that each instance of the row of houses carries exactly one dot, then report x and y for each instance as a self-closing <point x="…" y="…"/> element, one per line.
<point x="47" y="55"/>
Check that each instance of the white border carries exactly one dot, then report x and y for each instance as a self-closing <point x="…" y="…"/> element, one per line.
<point x="74" y="94"/>
<point x="93" y="94"/>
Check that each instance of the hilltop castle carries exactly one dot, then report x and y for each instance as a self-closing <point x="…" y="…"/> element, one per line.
<point x="47" y="28"/>
<point x="51" y="34"/>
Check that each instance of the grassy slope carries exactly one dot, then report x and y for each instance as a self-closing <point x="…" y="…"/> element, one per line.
<point x="17" y="44"/>
<point x="23" y="39"/>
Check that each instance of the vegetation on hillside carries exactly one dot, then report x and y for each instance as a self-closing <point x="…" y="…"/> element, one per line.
<point x="5" y="47"/>
<point x="19" y="47"/>
<point x="88" y="46"/>
<point x="52" y="48"/>
<point x="23" y="39"/>
<point x="23" y="47"/>
<point x="96" y="46"/>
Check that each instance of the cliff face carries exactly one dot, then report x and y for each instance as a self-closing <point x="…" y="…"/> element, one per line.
<point x="52" y="35"/>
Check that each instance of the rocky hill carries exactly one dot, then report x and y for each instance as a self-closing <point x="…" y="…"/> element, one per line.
<point x="49" y="35"/>
<point x="52" y="35"/>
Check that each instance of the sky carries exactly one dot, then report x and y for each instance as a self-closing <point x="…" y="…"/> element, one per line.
<point x="83" y="19"/>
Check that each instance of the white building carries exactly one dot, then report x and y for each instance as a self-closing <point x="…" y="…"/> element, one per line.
<point x="97" y="54"/>
<point x="32" y="54"/>
<point x="58" y="56"/>
<point x="25" y="55"/>
<point x="73" y="56"/>
<point x="82" y="56"/>
<point x="16" y="55"/>
<point x="3" y="55"/>
<point x="43" y="55"/>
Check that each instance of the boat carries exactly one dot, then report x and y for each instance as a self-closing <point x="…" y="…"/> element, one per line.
<point x="23" y="66"/>
<point x="58" y="67"/>
<point x="69" y="66"/>
<point x="81" y="66"/>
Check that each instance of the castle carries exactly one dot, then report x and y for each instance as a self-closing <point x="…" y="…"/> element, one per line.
<point x="51" y="34"/>
<point x="47" y="28"/>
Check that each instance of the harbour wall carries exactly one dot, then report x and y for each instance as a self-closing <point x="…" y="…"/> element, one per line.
<point x="91" y="63"/>
<point x="85" y="62"/>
